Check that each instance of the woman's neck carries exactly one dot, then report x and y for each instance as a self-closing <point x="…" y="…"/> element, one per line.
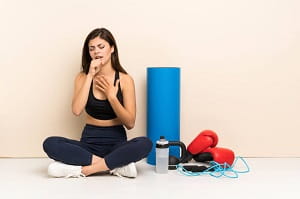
<point x="106" y="69"/>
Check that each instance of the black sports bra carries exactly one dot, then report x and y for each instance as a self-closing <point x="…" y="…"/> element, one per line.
<point x="101" y="109"/>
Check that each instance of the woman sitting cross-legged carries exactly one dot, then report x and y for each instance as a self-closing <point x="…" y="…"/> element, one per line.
<point x="107" y="93"/>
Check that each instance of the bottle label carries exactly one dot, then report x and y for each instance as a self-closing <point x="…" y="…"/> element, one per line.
<point x="162" y="145"/>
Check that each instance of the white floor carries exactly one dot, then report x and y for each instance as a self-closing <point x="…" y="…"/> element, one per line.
<point x="268" y="177"/>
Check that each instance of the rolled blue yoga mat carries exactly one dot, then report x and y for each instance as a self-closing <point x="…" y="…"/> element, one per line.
<point x="163" y="107"/>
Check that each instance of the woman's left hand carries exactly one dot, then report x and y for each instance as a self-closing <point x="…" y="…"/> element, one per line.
<point x="107" y="88"/>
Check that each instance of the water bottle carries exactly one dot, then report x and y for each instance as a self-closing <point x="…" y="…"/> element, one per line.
<point x="162" y="155"/>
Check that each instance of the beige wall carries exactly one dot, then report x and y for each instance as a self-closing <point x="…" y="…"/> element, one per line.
<point x="239" y="61"/>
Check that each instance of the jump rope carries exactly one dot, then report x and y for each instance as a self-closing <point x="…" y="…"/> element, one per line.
<point x="215" y="170"/>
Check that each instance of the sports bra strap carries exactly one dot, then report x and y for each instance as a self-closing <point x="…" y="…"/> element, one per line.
<point x="116" y="77"/>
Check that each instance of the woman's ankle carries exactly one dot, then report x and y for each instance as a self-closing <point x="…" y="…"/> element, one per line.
<point x="97" y="166"/>
<point x="96" y="159"/>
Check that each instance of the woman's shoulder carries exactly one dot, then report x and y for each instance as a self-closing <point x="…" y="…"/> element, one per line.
<point x="80" y="77"/>
<point x="81" y="74"/>
<point x="126" y="81"/>
<point x="125" y="77"/>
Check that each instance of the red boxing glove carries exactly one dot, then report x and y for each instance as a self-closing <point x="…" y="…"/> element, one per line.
<point x="204" y="140"/>
<point x="221" y="155"/>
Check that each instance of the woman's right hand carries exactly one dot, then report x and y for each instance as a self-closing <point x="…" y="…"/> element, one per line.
<point x="95" y="66"/>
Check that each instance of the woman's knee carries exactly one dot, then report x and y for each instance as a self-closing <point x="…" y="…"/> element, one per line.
<point x="146" y="143"/>
<point x="50" y="143"/>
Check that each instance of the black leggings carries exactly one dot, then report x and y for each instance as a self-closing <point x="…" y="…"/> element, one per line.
<point x="109" y="143"/>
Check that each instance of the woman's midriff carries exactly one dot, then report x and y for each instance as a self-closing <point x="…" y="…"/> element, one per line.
<point x="96" y="122"/>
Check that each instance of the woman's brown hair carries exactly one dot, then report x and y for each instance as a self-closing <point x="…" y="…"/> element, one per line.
<point x="107" y="36"/>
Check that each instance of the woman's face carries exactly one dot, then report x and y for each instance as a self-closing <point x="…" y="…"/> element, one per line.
<point x="100" y="49"/>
